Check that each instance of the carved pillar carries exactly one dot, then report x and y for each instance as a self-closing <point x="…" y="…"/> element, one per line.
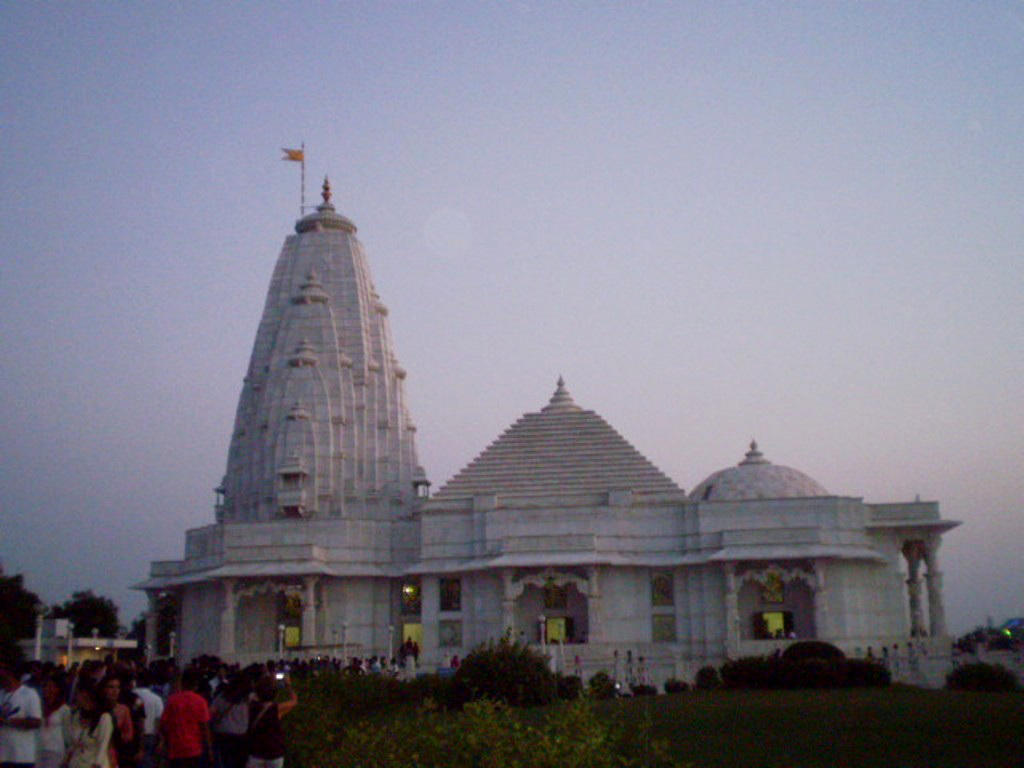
<point x="430" y="595"/>
<point x="912" y="550"/>
<point x="151" y="625"/>
<point x="309" y="611"/>
<point x="595" y="613"/>
<point x="508" y="604"/>
<point x="936" y="604"/>
<point x="820" y="601"/>
<point x="176" y="646"/>
<point x="732" y="612"/>
<point x="227" y="620"/>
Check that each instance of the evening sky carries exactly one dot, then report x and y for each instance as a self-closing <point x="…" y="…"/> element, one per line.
<point x="801" y="222"/>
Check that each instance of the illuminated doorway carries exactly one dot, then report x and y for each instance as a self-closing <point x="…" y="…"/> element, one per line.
<point x="412" y="631"/>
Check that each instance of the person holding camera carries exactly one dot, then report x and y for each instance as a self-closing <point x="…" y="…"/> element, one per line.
<point x="265" y="739"/>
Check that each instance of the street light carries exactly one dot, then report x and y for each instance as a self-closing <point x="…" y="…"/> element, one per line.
<point x="344" y="642"/>
<point x="40" y="615"/>
<point x="280" y="639"/>
<point x="71" y="641"/>
<point x="391" y="643"/>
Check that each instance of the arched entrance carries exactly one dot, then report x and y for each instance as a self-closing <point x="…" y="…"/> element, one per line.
<point x="551" y="607"/>
<point x="271" y="617"/>
<point x="776" y="603"/>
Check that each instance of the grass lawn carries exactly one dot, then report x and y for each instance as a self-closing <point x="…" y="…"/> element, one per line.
<point x="894" y="728"/>
<point x="860" y="728"/>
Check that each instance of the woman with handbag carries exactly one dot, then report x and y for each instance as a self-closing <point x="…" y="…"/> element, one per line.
<point x="265" y="739"/>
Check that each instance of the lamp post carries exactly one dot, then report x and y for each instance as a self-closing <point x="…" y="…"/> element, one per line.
<point x="40" y="615"/>
<point x="344" y="642"/>
<point x="391" y="643"/>
<point x="71" y="642"/>
<point x="280" y="639"/>
<point x="172" y="638"/>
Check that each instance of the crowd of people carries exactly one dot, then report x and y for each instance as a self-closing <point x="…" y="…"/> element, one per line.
<point x="101" y="714"/>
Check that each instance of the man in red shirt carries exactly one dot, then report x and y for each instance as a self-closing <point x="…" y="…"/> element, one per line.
<point x="185" y="724"/>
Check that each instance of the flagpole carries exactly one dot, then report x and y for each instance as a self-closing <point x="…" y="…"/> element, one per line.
<point x="302" y="192"/>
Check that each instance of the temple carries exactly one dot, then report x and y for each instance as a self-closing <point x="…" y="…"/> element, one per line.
<point x="327" y="540"/>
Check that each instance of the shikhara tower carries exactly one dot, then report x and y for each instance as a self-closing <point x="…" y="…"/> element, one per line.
<point x="322" y="429"/>
<point x="560" y="533"/>
<point x="316" y="510"/>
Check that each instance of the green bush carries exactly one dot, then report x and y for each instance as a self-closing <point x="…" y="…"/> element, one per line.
<point x="752" y="672"/>
<point x="569" y="687"/>
<point x="759" y="672"/>
<point x="812" y="649"/>
<point x="707" y="679"/>
<point x="432" y="691"/>
<point x="980" y="676"/>
<point x="601" y="686"/>
<point x="505" y="671"/>
<point x="866" y="673"/>
<point x="642" y="689"/>
<point x="332" y="701"/>
<point x="489" y="735"/>
<point x="672" y="685"/>
<point x="814" y="673"/>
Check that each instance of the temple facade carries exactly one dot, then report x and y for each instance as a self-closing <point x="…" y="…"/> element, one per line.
<point x="327" y="541"/>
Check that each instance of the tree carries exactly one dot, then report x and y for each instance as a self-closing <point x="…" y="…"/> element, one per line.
<point x="166" y="622"/>
<point x="19" y="613"/>
<point x="18" y="617"/>
<point x="167" y="608"/>
<point x="88" y="612"/>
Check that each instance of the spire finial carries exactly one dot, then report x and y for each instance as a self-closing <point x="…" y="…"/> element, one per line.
<point x="326" y="190"/>
<point x="561" y="400"/>
<point x="754" y="456"/>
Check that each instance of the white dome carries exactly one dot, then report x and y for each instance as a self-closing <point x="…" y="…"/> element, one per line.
<point x="757" y="478"/>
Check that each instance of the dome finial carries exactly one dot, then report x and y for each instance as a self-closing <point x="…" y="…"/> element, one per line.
<point x="561" y="400"/>
<point x="754" y="456"/>
<point x="325" y="216"/>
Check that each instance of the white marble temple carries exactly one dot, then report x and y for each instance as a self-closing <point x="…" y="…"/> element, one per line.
<point x="560" y="533"/>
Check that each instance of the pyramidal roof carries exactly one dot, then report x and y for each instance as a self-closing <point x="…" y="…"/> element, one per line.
<point x="561" y="449"/>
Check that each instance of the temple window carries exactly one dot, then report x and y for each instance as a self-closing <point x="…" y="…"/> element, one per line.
<point x="663" y="627"/>
<point x="773" y="625"/>
<point x="411" y="598"/>
<point x="663" y="601"/>
<point x="290" y="617"/>
<point x="291" y="481"/>
<point x="449" y="634"/>
<point x="662" y="590"/>
<point x="556" y="597"/>
<point x="772" y="590"/>
<point x="451" y="594"/>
